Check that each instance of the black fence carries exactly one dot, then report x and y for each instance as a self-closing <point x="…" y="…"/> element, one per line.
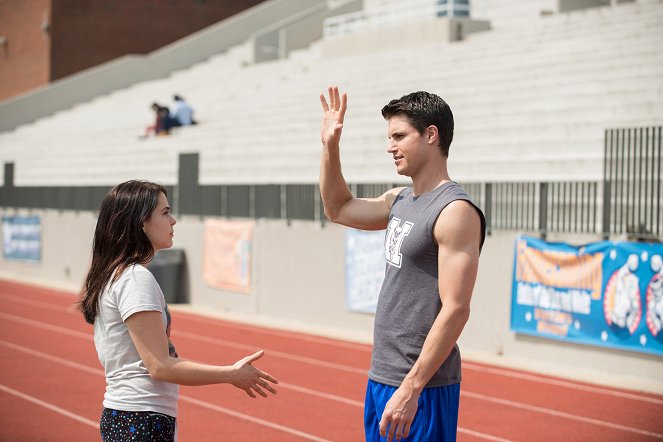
<point x="632" y="182"/>
<point x="626" y="202"/>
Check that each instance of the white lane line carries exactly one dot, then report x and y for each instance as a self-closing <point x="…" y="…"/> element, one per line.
<point x="276" y="353"/>
<point x="304" y="390"/>
<point x="206" y="339"/>
<point x="252" y="419"/>
<point x="55" y="328"/>
<point x="215" y="341"/>
<point x="482" y="435"/>
<point x="57" y="360"/>
<point x="320" y="394"/>
<point x="561" y="414"/>
<point x="51" y="407"/>
<point x="560" y="383"/>
<point x="184" y="398"/>
<point x="336" y="366"/>
<point x="71" y="308"/>
<point x="199" y="317"/>
<point x="466" y="365"/>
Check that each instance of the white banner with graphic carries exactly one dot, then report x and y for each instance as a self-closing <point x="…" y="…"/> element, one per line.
<point x="364" y="269"/>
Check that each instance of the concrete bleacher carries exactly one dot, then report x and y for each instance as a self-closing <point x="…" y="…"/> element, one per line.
<point x="531" y="99"/>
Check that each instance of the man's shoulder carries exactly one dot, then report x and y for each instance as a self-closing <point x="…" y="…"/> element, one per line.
<point x="459" y="221"/>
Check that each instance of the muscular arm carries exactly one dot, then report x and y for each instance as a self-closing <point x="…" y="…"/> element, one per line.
<point x="149" y="336"/>
<point x="340" y="205"/>
<point x="458" y="235"/>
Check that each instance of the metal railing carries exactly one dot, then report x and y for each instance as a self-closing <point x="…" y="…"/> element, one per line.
<point x="626" y="202"/>
<point x="632" y="181"/>
<point x="394" y="14"/>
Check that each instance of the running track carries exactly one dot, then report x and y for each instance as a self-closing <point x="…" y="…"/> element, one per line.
<point x="51" y="386"/>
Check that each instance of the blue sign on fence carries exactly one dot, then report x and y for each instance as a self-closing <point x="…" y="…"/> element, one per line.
<point x="605" y="293"/>
<point x="21" y="238"/>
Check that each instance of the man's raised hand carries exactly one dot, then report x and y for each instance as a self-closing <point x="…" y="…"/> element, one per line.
<point x="332" y="117"/>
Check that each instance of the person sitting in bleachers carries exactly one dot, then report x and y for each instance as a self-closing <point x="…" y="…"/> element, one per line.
<point x="182" y="114"/>
<point x="161" y="124"/>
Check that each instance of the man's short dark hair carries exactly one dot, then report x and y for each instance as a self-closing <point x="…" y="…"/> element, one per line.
<point x="424" y="109"/>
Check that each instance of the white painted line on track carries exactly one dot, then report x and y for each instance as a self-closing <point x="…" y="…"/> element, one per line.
<point x="57" y="360"/>
<point x="184" y="398"/>
<point x="482" y="435"/>
<point x="561" y="414"/>
<point x="304" y="390"/>
<point x="560" y="383"/>
<point x="466" y="365"/>
<point x="55" y="328"/>
<point x="363" y="372"/>
<point x="51" y="407"/>
<point x="280" y="354"/>
<point x="202" y="318"/>
<point x="41" y="304"/>
<point x="252" y="419"/>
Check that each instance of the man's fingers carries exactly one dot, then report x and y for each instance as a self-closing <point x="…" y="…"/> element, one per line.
<point x="331" y="98"/>
<point x="325" y="106"/>
<point x="399" y="433"/>
<point x="392" y="429"/>
<point x="406" y="429"/>
<point x="384" y="423"/>
<point x="344" y="106"/>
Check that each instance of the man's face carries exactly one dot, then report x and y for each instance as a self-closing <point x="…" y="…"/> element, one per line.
<point x="407" y="146"/>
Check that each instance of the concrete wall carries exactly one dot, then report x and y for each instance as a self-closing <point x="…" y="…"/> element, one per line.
<point x="298" y="283"/>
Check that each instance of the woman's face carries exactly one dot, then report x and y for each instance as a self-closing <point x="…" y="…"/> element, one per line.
<point x="159" y="226"/>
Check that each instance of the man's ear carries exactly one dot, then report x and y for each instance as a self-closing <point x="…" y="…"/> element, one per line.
<point x="432" y="134"/>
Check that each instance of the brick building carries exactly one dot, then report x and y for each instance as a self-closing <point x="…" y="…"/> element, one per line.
<point x="44" y="40"/>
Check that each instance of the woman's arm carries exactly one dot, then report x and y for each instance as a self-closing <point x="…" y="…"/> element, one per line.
<point x="149" y="337"/>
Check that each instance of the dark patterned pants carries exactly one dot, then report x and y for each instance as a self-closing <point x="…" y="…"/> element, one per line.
<point x="139" y="426"/>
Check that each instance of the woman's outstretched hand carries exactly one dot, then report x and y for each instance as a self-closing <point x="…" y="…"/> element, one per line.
<point x="250" y="379"/>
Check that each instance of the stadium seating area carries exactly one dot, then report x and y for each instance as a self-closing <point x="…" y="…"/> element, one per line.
<point x="531" y="98"/>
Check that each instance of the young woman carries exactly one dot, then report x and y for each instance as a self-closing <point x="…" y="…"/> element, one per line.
<point x="132" y="323"/>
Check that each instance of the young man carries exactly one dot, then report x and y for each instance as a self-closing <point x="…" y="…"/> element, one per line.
<point x="432" y="245"/>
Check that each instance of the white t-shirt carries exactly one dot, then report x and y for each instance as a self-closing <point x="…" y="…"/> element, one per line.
<point x="129" y="386"/>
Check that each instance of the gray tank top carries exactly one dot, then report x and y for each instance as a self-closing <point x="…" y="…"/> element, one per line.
<point x="409" y="300"/>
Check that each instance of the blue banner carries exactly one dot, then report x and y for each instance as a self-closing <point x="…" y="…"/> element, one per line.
<point x="21" y="238"/>
<point x="364" y="269"/>
<point x="606" y="293"/>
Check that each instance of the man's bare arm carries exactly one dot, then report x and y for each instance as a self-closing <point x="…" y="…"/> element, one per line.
<point x="340" y="204"/>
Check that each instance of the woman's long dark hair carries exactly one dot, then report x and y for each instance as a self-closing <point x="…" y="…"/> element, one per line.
<point x="119" y="240"/>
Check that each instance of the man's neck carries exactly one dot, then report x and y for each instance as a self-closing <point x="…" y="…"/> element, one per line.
<point x="431" y="177"/>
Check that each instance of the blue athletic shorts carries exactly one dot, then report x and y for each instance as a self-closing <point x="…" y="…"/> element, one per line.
<point x="436" y="419"/>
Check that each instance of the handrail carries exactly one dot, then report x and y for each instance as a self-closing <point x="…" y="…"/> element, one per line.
<point x="349" y="23"/>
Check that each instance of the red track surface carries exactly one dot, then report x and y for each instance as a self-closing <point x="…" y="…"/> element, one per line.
<point x="52" y="385"/>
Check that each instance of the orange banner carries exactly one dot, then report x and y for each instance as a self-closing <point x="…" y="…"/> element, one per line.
<point x="559" y="269"/>
<point x="227" y="255"/>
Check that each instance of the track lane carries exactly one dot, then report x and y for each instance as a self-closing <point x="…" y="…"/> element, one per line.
<point x="54" y="311"/>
